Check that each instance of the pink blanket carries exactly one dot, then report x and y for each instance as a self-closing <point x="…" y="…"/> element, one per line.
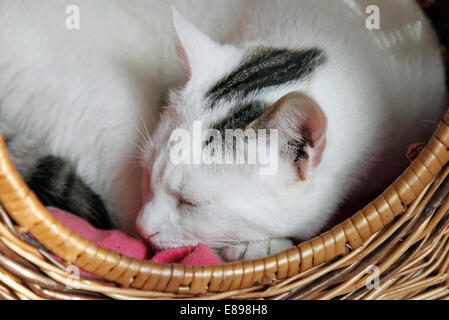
<point x="120" y="242"/>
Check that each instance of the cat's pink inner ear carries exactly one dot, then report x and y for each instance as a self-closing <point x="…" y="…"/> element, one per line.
<point x="313" y="128"/>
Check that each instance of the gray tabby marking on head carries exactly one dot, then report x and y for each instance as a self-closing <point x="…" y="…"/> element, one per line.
<point x="241" y="116"/>
<point x="264" y="68"/>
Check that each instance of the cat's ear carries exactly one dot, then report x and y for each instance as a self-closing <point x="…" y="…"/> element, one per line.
<point x="194" y="48"/>
<point x="302" y="130"/>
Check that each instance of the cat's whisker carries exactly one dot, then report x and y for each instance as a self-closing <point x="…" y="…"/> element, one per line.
<point x="147" y="131"/>
<point x="138" y="162"/>
<point x="144" y="136"/>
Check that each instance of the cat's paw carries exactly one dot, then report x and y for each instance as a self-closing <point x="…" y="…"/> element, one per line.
<point x="255" y="249"/>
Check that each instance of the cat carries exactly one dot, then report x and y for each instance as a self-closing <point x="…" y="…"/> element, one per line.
<point x="100" y="103"/>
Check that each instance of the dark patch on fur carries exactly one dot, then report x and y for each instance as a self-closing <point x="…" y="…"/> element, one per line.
<point x="267" y="67"/>
<point x="238" y="119"/>
<point x="241" y="116"/>
<point x="56" y="183"/>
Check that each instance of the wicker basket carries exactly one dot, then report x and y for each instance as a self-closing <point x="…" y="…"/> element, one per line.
<point x="397" y="247"/>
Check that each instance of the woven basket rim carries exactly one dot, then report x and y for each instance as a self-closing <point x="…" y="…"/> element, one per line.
<point x="25" y="208"/>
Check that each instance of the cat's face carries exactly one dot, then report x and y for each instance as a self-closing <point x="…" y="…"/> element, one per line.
<point x="212" y="203"/>
<point x="221" y="187"/>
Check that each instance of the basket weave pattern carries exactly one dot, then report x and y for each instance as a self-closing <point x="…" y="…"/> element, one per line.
<point x="397" y="247"/>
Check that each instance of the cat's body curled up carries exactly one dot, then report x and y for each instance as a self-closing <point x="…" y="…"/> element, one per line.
<point x="344" y="97"/>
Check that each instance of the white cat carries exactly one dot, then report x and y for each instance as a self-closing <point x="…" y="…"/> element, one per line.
<point x="345" y="98"/>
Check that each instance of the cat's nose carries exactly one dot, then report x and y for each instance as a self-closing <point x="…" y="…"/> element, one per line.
<point x="151" y="240"/>
<point x="142" y="226"/>
<point x="148" y="236"/>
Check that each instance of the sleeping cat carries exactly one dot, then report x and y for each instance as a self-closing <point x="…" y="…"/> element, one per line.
<point x="80" y="109"/>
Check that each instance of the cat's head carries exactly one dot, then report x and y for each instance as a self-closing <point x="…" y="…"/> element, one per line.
<point x="199" y="186"/>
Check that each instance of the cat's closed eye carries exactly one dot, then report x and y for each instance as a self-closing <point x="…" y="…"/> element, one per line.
<point x="183" y="201"/>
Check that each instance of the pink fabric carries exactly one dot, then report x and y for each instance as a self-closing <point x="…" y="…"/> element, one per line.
<point x="414" y="150"/>
<point x="200" y="255"/>
<point x="120" y="242"/>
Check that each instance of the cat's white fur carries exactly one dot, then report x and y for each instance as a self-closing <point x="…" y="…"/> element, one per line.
<point x="86" y="93"/>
